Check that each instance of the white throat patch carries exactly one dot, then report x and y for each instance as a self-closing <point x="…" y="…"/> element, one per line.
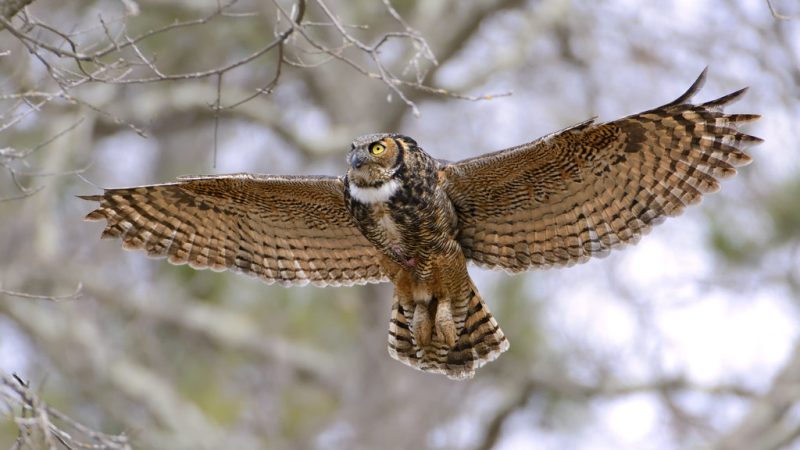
<point x="371" y="195"/>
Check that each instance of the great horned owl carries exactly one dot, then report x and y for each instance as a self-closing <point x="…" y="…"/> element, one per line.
<point x="403" y="216"/>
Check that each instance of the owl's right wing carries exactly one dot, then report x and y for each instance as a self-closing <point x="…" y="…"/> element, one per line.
<point x="291" y="230"/>
<point x="580" y="192"/>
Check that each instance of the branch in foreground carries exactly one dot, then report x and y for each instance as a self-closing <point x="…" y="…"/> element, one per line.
<point x="118" y="378"/>
<point x="119" y="70"/>
<point x="42" y="426"/>
<point x="10" y="8"/>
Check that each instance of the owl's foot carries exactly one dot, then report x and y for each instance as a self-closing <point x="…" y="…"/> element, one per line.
<point x="424" y="333"/>
<point x="421" y="325"/>
<point x="445" y="327"/>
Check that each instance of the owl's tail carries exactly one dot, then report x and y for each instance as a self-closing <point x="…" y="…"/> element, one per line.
<point x="479" y="338"/>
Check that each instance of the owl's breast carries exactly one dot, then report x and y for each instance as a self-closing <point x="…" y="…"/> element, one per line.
<point x="391" y="231"/>
<point x="405" y="226"/>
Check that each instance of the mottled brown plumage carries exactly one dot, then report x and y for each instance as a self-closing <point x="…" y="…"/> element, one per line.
<point x="402" y="216"/>
<point x="293" y="230"/>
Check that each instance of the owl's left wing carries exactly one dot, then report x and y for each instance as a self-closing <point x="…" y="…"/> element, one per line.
<point x="291" y="230"/>
<point x="582" y="191"/>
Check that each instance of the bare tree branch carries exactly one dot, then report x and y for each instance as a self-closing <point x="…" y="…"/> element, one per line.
<point x="10" y="8"/>
<point x="35" y="421"/>
<point x="563" y="386"/>
<point x="232" y="331"/>
<point x="775" y="12"/>
<point x="153" y="394"/>
<point x="768" y="425"/>
<point x="75" y="295"/>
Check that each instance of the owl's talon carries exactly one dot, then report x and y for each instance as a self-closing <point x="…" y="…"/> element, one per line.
<point x="445" y="327"/>
<point x="421" y="326"/>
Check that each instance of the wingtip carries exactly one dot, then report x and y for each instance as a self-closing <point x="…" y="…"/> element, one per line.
<point x="753" y="140"/>
<point x="740" y="118"/>
<point x="726" y="99"/>
<point x="693" y="89"/>
<point x="97" y="214"/>
<point x="94" y="216"/>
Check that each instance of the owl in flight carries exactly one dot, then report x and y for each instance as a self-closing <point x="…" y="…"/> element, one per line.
<point x="403" y="216"/>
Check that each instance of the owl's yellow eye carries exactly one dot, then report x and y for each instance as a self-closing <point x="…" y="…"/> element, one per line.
<point x="377" y="149"/>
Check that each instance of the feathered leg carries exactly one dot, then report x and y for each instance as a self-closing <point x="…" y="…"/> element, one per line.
<point x="442" y="325"/>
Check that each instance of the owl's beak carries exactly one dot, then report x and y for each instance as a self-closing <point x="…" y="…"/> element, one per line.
<point x="357" y="160"/>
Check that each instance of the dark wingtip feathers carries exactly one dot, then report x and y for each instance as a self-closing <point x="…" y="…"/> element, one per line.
<point x="742" y="117"/>
<point x="746" y="139"/>
<point x="696" y="86"/>
<point x="97" y="214"/>
<point x="725" y="99"/>
<point x="713" y="104"/>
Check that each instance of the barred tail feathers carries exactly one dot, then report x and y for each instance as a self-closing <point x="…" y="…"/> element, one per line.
<point x="479" y="337"/>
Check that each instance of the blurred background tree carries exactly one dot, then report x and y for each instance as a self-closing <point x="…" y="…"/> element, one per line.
<point x="687" y="340"/>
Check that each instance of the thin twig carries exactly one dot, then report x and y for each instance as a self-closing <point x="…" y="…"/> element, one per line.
<point x="75" y="295"/>
<point x="267" y="89"/>
<point x="216" y="119"/>
<point x="24" y="195"/>
<point x="775" y="12"/>
<point x="37" y="415"/>
<point x="58" y="173"/>
<point x="51" y="139"/>
<point x="10" y="8"/>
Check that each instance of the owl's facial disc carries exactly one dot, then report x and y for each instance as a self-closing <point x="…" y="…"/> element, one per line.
<point x="372" y="160"/>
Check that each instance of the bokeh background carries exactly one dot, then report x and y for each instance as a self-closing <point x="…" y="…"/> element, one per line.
<point x="687" y="340"/>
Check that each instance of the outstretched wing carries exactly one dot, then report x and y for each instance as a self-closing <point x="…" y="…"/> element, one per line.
<point x="582" y="191"/>
<point x="293" y="230"/>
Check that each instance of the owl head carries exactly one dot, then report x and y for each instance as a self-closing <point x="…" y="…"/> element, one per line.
<point x="374" y="159"/>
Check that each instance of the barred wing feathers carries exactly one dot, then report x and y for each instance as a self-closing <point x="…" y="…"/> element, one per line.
<point x="582" y="191"/>
<point x="290" y="230"/>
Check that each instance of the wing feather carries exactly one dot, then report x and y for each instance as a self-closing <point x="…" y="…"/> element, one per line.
<point x="290" y="230"/>
<point x="585" y="190"/>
